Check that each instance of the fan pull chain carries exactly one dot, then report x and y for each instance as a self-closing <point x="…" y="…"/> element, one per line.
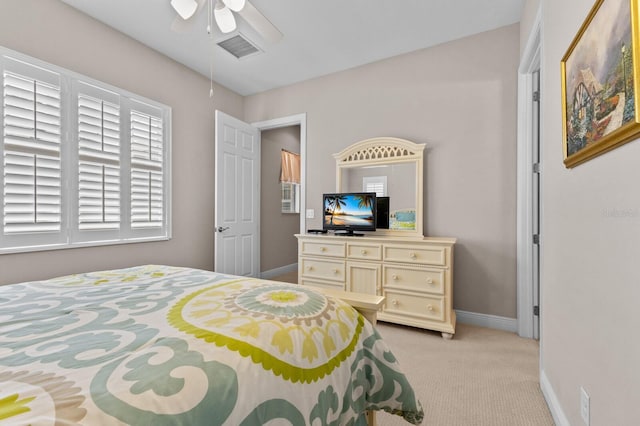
<point x="211" y="77"/>
<point x="209" y="19"/>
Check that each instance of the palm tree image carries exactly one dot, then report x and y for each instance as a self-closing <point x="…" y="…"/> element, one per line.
<point x="364" y="201"/>
<point x="334" y="203"/>
<point x="349" y="210"/>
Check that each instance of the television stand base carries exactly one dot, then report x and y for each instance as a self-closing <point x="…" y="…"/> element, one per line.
<point x="348" y="233"/>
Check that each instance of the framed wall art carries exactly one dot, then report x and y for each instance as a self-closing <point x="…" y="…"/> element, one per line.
<point x="600" y="82"/>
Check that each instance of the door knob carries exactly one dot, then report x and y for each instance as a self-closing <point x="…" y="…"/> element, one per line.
<point x="220" y="228"/>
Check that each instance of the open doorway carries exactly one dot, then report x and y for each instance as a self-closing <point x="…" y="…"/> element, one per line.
<point x="285" y="267"/>
<point x="279" y="205"/>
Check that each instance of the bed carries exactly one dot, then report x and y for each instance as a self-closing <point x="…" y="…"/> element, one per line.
<point x="159" y="345"/>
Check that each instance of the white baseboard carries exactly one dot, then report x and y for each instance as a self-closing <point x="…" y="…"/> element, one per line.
<point x="486" y="320"/>
<point x="267" y="275"/>
<point x="552" y="401"/>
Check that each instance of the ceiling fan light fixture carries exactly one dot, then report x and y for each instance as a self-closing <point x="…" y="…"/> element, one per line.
<point x="185" y="8"/>
<point x="235" y="5"/>
<point x="224" y="18"/>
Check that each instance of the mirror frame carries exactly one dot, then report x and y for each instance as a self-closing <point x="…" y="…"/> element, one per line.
<point x="386" y="151"/>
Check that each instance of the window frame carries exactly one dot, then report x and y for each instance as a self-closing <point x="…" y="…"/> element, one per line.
<point x="70" y="234"/>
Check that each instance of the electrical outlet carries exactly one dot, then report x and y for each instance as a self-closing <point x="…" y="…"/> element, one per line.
<point x="311" y="213"/>
<point x="584" y="405"/>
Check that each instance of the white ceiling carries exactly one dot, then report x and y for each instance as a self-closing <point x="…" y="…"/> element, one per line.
<point x="320" y="37"/>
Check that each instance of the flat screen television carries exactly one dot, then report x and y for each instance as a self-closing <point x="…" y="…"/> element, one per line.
<point x="347" y="212"/>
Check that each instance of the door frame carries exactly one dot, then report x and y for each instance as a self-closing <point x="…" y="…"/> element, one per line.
<point x="292" y="120"/>
<point x="529" y="63"/>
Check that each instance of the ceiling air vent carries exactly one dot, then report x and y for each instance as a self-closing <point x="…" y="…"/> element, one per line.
<point x="239" y="46"/>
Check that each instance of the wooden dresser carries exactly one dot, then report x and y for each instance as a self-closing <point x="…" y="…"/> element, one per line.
<point x="415" y="275"/>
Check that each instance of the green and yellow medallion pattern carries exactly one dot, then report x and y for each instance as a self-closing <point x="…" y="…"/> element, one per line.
<point x="291" y="330"/>
<point x="158" y="345"/>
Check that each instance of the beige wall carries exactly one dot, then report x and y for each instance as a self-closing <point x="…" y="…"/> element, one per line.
<point x="460" y="99"/>
<point x="277" y="229"/>
<point x="590" y="281"/>
<point x="54" y="32"/>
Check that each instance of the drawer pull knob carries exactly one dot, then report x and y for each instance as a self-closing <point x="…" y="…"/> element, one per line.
<point x="309" y="268"/>
<point x="323" y="249"/>
<point x="430" y="308"/>
<point x="335" y="271"/>
<point x="412" y="255"/>
<point x="363" y="251"/>
<point x="429" y="280"/>
<point x="394" y="277"/>
<point x="394" y="302"/>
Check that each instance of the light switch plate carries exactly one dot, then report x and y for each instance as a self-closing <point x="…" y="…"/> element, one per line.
<point x="311" y="213"/>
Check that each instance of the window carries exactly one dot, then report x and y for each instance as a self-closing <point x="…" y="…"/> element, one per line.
<point x="377" y="184"/>
<point x="290" y="197"/>
<point x="83" y="163"/>
<point x="98" y="159"/>
<point x="290" y="181"/>
<point x="146" y="169"/>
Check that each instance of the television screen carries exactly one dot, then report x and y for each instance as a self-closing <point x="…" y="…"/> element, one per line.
<point x="349" y="211"/>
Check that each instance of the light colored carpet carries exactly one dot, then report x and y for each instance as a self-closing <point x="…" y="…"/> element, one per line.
<point x="289" y="277"/>
<point x="481" y="377"/>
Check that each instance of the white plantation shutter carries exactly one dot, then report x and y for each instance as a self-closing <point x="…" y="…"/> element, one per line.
<point x="31" y="179"/>
<point x="98" y="159"/>
<point x="82" y="163"/>
<point x="31" y="193"/>
<point x="377" y="184"/>
<point x="99" y="196"/>
<point x="147" y="182"/>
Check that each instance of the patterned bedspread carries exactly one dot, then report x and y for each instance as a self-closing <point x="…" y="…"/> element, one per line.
<point x="158" y="345"/>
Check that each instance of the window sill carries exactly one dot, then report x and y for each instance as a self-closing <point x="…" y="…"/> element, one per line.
<point x="49" y="247"/>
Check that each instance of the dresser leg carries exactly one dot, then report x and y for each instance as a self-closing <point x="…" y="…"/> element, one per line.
<point x="447" y="336"/>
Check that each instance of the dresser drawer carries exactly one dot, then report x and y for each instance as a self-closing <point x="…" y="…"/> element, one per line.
<point x="323" y="248"/>
<point x="332" y="270"/>
<point x="364" y="251"/>
<point x="323" y="284"/>
<point x="425" y="307"/>
<point x="414" y="279"/>
<point x="426" y="255"/>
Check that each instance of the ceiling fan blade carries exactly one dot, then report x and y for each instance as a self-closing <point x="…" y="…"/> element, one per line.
<point x="235" y="5"/>
<point x="260" y="23"/>
<point x="224" y="18"/>
<point x="184" y="8"/>
<point x="180" y="25"/>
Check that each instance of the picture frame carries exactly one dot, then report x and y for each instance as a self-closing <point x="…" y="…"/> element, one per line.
<point x="601" y="82"/>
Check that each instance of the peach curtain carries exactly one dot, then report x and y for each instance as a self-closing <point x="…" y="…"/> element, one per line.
<point x="290" y="167"/>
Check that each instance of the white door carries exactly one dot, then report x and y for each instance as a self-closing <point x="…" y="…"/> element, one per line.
<point x="237" y="198"/>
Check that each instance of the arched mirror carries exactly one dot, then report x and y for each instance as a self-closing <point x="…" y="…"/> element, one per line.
<point x="393" y="168"/>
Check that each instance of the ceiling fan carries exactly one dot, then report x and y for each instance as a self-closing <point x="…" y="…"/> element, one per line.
<point x="223" y="14"/>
